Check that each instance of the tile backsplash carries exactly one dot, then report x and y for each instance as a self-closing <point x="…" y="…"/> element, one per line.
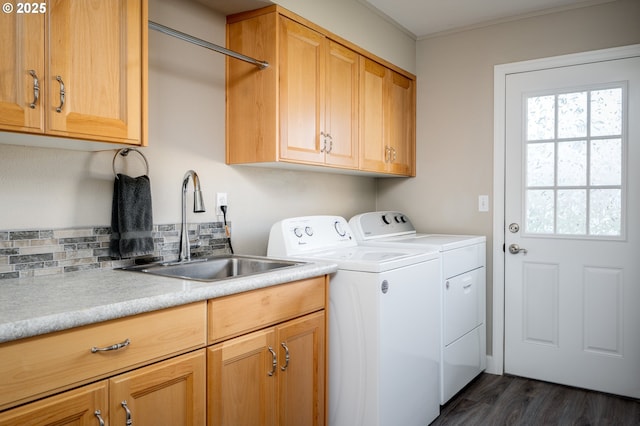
<point x="28" y="253"/>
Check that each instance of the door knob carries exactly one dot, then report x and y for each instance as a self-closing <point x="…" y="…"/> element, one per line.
<point x="515" y="249"/>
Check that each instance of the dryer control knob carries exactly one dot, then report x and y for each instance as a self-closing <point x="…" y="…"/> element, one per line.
<point x="297" y="232"/>
<point x="385" y="219"/>
<point x="308" y="230"/>
<point x="339" y="229"/>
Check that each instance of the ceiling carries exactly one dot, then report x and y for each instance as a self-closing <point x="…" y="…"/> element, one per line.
<point x="426" y="17"/>
<point x="422" y="18"/>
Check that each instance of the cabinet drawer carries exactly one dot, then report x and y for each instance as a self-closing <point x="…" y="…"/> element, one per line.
<point x="41" y="365"/>
<point x="243" y="312"/>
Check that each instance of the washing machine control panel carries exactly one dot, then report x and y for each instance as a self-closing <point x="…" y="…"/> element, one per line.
<point x="381" y="224"/>
<point x="303" y="234"/>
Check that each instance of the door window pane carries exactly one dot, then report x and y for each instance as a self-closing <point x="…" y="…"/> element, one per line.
<point x="605" y="212"/>
<point x="572" y="212"/>
<point x="606" y="112"/>
<point x="540" y="209"/>
<point x="572" y="115"/>
<point x="540" y="164"/>
<point x="574" y="164"/>
<point x="606" y="162"/>
<point x="541" y="117"/>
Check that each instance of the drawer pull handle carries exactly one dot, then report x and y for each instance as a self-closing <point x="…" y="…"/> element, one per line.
<point x="36" y="89"/>
<point x="274" y="362"/>
<point x="98" y="414"/>
<point x="126" y="409"/>
<point x="286" y="357"/>
<point x="112" y="347"/>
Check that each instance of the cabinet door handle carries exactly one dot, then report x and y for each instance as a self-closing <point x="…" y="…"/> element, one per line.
<point x="324" y="142"/>
<point x="114" y="347"/>
<point x="62" y="93"/>
<point x="128" y="412"/>
<point x="393" y="155"/>
<point x="328" y="136"/>
<point x="387" y="154"/>
<point x="36" y="89"/>
<point x="98" y="414"/>
<point x="286" y="356"/>
<point x="274" y="362"/>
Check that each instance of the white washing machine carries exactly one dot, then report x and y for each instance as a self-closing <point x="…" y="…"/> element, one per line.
<point x="384" y="323"/>
<point x="463" y="345"/>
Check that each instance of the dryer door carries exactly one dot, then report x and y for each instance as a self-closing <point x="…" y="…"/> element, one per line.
<point x="464" y="307"/>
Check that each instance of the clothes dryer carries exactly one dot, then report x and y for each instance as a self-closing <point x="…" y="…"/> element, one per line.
<point x="462" y="278"/>
<point x="384" y="323"/>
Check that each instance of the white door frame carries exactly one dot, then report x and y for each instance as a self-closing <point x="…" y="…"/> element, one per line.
<point x="495" y="363"/>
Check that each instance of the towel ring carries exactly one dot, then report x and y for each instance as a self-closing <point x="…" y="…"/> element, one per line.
<point x="124" y="152"/>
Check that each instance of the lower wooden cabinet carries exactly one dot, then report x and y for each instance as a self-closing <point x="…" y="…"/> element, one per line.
<point x="266" y="365"/>
<point x="274" y="376"/>
<point x="78" y="407"/>
<point x="171" y="392"/>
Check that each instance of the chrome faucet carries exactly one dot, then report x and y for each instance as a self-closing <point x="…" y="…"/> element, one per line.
<point x="198" y="207"/>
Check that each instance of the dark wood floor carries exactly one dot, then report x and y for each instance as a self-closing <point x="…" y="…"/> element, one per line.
<point x="508" y="400"/>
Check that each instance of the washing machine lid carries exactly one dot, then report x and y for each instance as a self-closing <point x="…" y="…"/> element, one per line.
<point x="369" y="258"/>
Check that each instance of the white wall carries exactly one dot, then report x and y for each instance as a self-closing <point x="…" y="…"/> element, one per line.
<point x="53" y="188"/>
<point x="455" y="111"/>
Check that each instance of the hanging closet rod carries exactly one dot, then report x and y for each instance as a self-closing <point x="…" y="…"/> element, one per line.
<point x="206" y="44"/>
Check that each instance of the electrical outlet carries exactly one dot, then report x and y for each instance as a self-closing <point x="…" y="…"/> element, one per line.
<point x="221" y="200"/>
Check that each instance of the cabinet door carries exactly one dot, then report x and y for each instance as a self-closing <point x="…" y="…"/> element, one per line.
<point x="77" y="407"/>
<point x="301" y="90"/>
<point x="341" y="106"/>
<point x="401" y="124"/>
<point x="373" y="149"/>
<point x="21" y="51"/>
<point x="171" y="392"/>
<point x="301" y="390"/>
<point x="95" y="52"/>
<point x="242" y="380"/>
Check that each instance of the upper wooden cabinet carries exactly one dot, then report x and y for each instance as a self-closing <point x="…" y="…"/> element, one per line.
<point x="318" y="98"/>
<point x="387" y="120"/>
<point x="306" y="107"/>
<point x="77" y="70"/>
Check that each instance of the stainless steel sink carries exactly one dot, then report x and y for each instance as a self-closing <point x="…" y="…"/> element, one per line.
<point x="214" y="268"/>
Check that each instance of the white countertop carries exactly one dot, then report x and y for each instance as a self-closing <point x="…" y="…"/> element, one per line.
<point x="39" y="305"/>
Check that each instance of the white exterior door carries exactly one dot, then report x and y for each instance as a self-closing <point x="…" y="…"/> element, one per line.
<point x="572" y="193"/>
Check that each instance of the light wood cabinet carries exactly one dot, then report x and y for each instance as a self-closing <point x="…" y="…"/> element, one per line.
<point x="318" y="98"/>
<point x="171" y="392"/>
<point x="250" y="379"/>
<point x="387" y="120"/>
<point x="270" y="377"/>
<point x="41" y="365"/>
<point x="78" y="71"/>
<point x="79" y="407"/>
<point x="303" y="107"/>
<point x="307" y="107"/>
<point x="266" y="365"/>
<point x="22" y="59"/>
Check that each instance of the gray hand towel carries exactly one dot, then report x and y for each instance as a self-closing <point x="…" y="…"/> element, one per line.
<point x="131" y="217"/>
